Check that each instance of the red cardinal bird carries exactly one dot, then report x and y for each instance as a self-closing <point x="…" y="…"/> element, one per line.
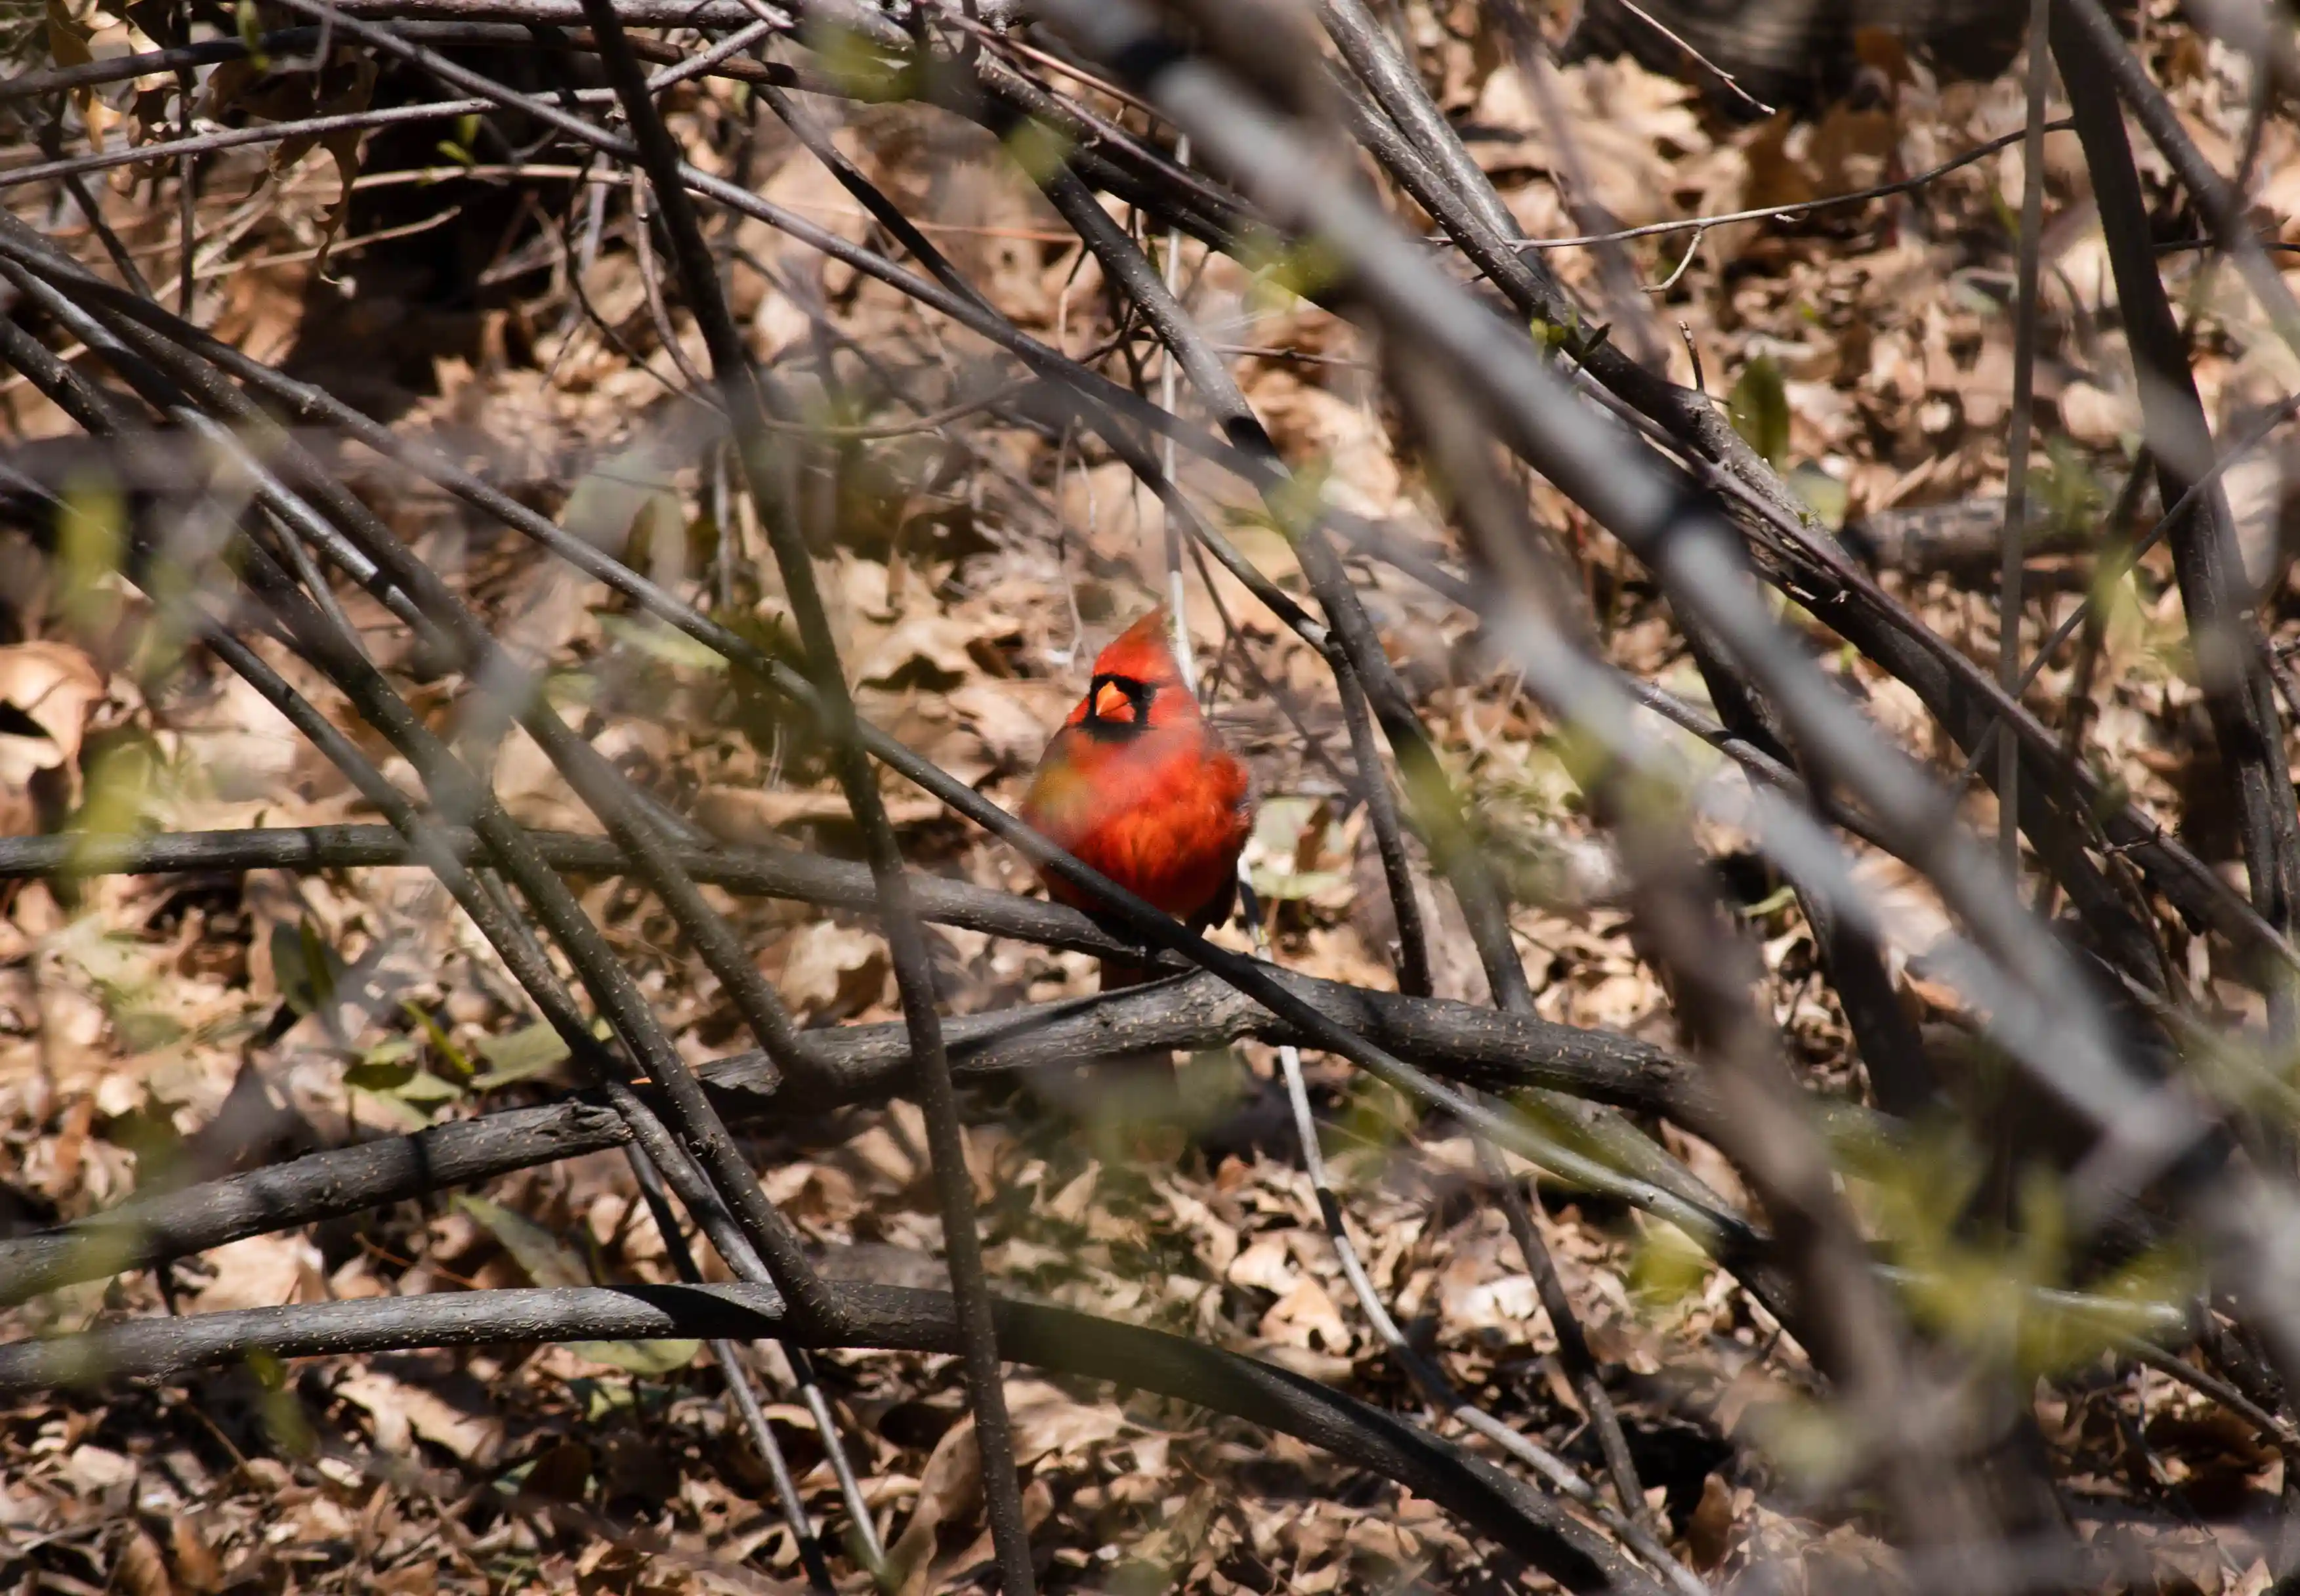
<point x="1137" y="785"/>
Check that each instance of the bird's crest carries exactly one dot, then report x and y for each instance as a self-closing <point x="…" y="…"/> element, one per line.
<point x="1137" y="686"/>
<point x="1143" y="652"/>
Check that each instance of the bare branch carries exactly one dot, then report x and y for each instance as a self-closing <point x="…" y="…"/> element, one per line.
<point x="1508" y="1512"/>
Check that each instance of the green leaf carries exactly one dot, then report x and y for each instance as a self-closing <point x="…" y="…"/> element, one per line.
<point x="2073" y="493"/>
<point x="145" y="1031"/>
<point x="389" y="1073"/>
<point x="382" y="1076"/>
<point x="1288" y="827"/>
<point x="566" y="691"/>
<point x="603" y="1399"/>
<point x="651" y="1358"/>
<point x="384" y="1108"/>
<point x="283" y="1414"/>
<point x="547" y="1260"/>
<point x="1759" y="408"/>
<point x="269" y="1372"/>
<point x="1823" y="494"/>
<point x="1275" y="885"/>
<point x="1039" y="150"/>
<point x="525" y="1052"/>
<point x="855" y="62"/>
<point x="423" y="1087"/>
<point x="1568" y="338"/>
<point x="90" y="541"/>
<point x="458" y="1063"/>
<point x="1666" y="1265"/>
<point x="124" y="780"/>
<point x="1292" y="272"/>
<point x="250" y="24"/>
<point x="652" y="639"/>
<point x="1772" y="903"/>
<point x="1813" y="1443"/>
<point x="305" y="967"/>
<point x="1596" y="340"/>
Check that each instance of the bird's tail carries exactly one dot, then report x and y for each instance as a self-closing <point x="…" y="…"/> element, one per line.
<point x="1135" y="1097"/>
<point x="1129" y="1102"/>
<point x="1119" y="973"/>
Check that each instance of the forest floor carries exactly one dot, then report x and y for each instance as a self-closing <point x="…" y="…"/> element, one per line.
<point x="158" y="1029"/>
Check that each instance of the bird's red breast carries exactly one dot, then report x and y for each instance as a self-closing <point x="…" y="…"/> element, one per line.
<point x="1137" y="784"/>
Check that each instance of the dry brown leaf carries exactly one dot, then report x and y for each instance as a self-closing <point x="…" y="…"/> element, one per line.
<point x="263" y="1272"/>
<point x="1628" y="126"/>
<point x="416" y="1579"/>
<point x="94" y="1470"/>
<point x="532" y="789"/>
<point x="1886" y="322"/>
<point x="562" y="1472"/>
<point x="402" y="1410"/>
<point x="196" y="1567"/>
<point x="1048" y="1421"/>
<point x="51" y="689"/>
<point x="1306" y="1316"/>
<point x="832" y="971"/>
<point x="1267" y="1262"/>
<point x="1708" y="1534"/>
<point x="142" y="1569"/>
<point x="950" y="1493"/>
<point x="1038" y="1505"/>
<point x="2094" y="416"/>
<point x="607" y="1570"/>
<point x="1012" y="728"/>
<point x="883" y="1154"/>
<point x="1217" y="1242"/>
<point x="1473" y="1299"/>
<point x="928" y="648"/>
<point x="758" y="816"/>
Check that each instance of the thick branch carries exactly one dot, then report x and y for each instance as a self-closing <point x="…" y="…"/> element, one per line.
<point x="858" y="1062"/>
<point x="2230" y="656"/>
<point x="1527" y="1523"/>
<point x="325" y="1185"/>
<point x="768" y="873"/>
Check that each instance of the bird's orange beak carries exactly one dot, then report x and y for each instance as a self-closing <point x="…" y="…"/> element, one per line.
<point x="1111" y="703"/>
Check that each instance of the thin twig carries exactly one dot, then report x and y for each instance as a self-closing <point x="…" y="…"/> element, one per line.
<point x="2024" y="386"/>
<point x="749" y="397"/>
<point x="739" y="1377"/>
<point x="2087" y="34"/>
<point x="2089" y="609"/>
<point x="1506" y="1509"/>
<point x="1572" y="1347"/>
<point x="1979" y="152"/>
<point x="1732" y="84"/>
<point x="1626" y="1523"/>
<point x="225" y="138"/>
